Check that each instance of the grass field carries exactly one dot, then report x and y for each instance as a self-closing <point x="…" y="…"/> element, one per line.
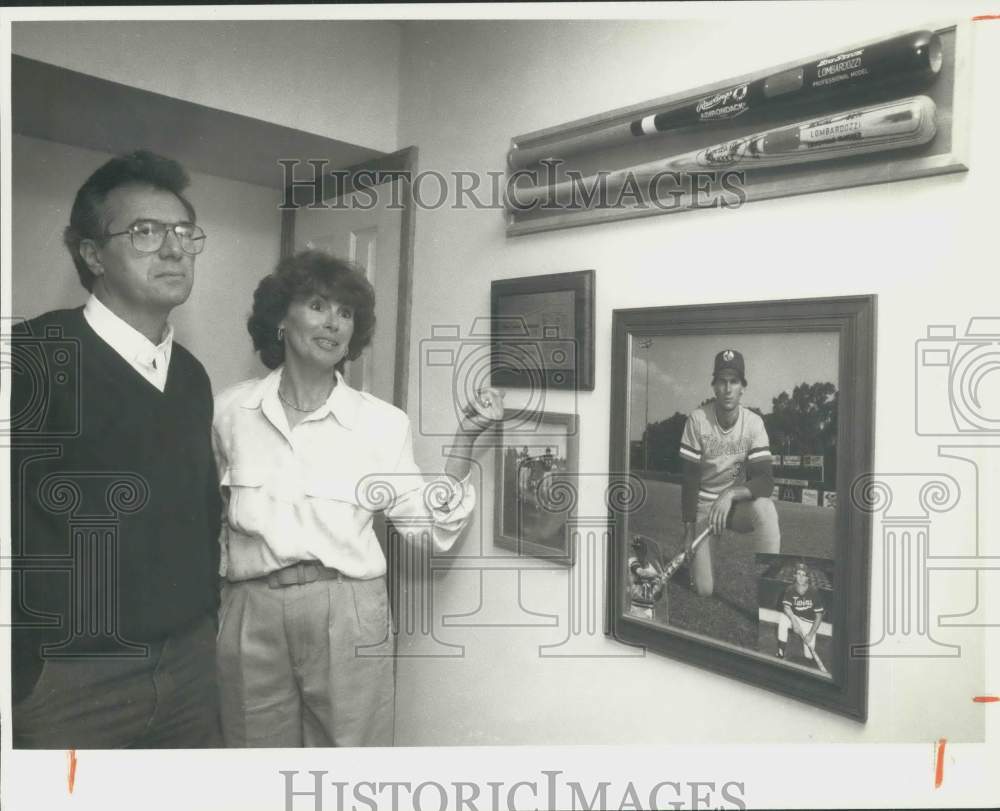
<point x="730" y="614"/>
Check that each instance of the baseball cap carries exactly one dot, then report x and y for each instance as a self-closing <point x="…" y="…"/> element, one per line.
<point x="730" y="359"/>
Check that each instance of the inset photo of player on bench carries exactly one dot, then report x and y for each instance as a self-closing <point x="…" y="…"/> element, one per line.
<point x="795" y="601"/>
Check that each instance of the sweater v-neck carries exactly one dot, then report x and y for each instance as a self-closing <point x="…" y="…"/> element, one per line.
<point x="122" y="369"/>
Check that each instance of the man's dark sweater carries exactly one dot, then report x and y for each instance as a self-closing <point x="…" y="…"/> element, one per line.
<point x="81" y="423"/>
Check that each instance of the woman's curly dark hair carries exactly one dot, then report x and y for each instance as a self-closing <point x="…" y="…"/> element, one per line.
<point x="297" y="277"/>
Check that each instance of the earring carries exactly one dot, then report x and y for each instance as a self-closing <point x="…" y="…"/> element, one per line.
<point x="281" y="334"/>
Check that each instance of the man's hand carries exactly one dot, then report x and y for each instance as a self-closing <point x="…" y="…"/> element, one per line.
<point x="718" y="513"/>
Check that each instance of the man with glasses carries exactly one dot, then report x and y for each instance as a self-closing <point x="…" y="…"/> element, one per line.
<point x="114" y="489"/>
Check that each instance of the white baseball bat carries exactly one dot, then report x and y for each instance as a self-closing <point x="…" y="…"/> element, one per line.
<point x="812" y="650"/>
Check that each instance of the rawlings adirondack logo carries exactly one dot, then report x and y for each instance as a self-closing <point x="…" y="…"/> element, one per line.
<point x="727" y="104"/>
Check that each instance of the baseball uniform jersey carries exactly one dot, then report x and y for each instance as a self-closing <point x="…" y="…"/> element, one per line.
<point x="723" y="454"/>
<point x="806" y="605"/>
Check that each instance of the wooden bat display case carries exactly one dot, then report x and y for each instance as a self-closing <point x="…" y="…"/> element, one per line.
<point x="887" y="109"/>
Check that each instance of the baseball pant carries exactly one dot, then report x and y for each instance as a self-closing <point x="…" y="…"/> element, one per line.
<point x="757" y="518"/>
<point x="165" y="700"/>
<point x="785" y="624"/>
<point x="306" y="665"/>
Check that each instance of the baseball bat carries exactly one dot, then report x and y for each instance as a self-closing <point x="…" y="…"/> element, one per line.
<point x="812" y="650"/>
<point x="877" y="128"/>
<point x="909" y="56"/>
<point x="677" y="561"/>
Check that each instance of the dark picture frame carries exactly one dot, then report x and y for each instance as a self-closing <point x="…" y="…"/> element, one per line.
<point x="543" y="331"/>
<point x="846" y="326"/>
<point x="536" y="481"/>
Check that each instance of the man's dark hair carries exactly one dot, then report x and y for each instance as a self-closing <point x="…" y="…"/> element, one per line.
<point x="88" y="217"/>
<point x="297" y="277"/>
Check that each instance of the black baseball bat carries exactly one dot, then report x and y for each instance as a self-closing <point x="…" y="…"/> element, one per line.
<point x="909" y="56"/>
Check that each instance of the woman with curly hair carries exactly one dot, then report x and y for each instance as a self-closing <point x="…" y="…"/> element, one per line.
<point x="305" y="652"/>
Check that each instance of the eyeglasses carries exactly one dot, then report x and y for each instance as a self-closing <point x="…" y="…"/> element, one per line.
<point x="147" y="235"/>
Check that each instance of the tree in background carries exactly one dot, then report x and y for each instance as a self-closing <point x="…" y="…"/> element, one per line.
<point x="804" y="421"/>
<point x="664" y="438"/>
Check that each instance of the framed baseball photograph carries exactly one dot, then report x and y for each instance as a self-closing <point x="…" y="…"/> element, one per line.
<point x="543" y="331"/>
<point x="536" y="479"/>
<point x="747" y="424"/>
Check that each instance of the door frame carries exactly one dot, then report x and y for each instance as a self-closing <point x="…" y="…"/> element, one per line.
<point x="403" y="165"/>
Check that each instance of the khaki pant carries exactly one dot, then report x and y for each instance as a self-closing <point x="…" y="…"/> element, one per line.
<point x="306" y="665"/>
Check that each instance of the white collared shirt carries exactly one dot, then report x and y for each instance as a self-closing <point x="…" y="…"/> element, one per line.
<point x="148" y="359"/>
<point x="308" y="493"/>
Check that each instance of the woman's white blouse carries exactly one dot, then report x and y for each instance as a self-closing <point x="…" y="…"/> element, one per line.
<point x="309" y="493"/>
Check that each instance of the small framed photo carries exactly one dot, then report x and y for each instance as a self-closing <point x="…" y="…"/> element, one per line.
<point x="543" y="331"/>
<point x="536" y="483"/>
<point x="747" y="424"/>
<point x="795" y="606"/>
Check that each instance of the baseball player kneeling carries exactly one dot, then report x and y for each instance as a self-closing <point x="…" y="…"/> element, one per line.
<point x="727" y="474"/>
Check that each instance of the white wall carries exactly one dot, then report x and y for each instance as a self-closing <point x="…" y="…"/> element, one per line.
<point x="332" y="78"/>
<point x="923" y="246"/>
<point x="243" y="226"/>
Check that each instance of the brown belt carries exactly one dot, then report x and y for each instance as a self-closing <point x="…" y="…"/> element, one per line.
<point x="298" y="574"/>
